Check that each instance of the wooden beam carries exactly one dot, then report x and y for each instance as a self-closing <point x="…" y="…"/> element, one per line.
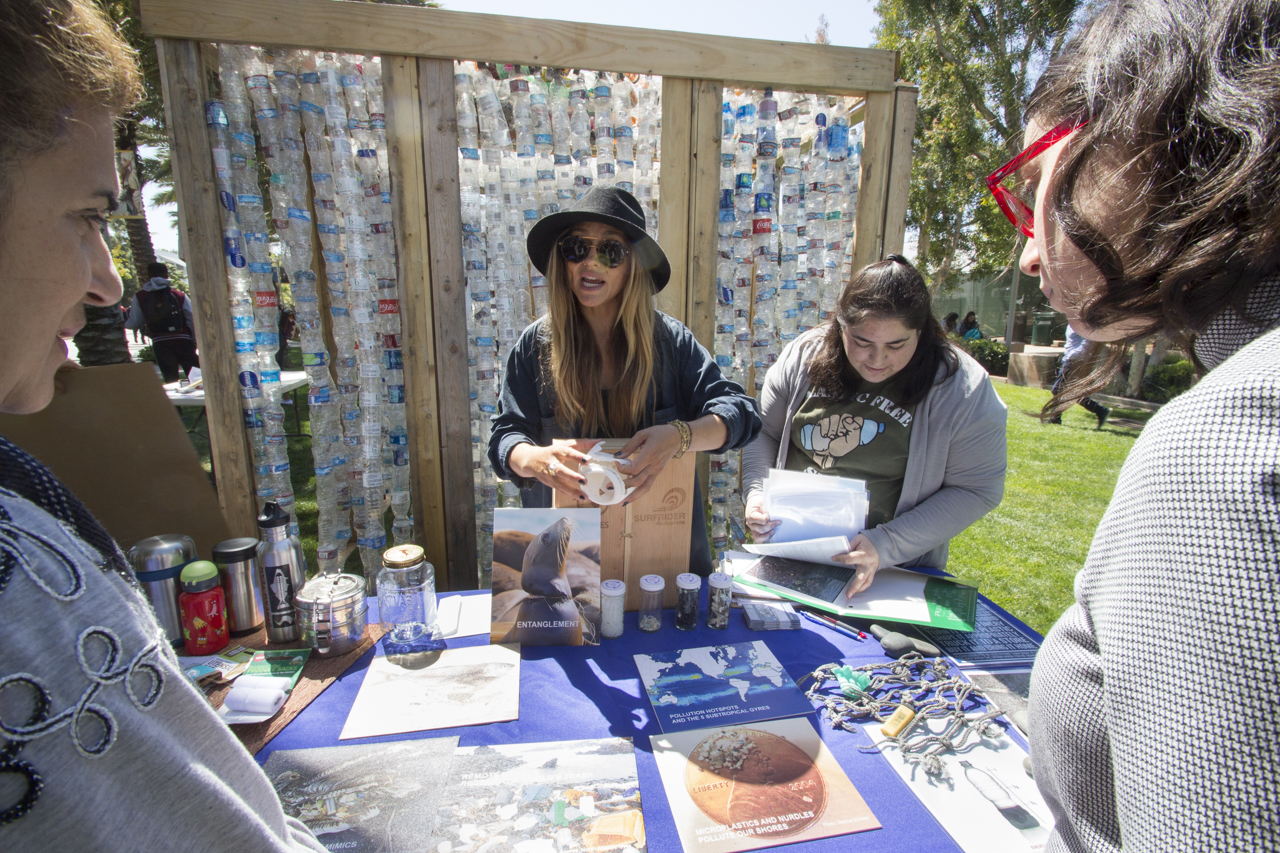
<point x="673" y="201"/>
<point x="444" y="34"/>
<point x="704" y="210"/>
<point x="409" y="197"/>
<point x="449" y="317"/>
<point x="899" y="186"/>
<point x="182" y="84"/>
<point x="877" y="146"/>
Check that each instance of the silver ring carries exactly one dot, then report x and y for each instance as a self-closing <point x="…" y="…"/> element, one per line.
<point x="551" y="468"/>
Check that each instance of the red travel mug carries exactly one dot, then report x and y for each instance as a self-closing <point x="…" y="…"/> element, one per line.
<point x="204" y="609"/>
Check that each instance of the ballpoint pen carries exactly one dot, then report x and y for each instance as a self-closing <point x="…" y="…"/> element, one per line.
<point x="834" y="625"/>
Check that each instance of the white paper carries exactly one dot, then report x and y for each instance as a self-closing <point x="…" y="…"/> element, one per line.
<point x="809" y="550"/>
<point x="991" y="806"/>
<point x="464" y="615"/>
<point x="462" y="687"/>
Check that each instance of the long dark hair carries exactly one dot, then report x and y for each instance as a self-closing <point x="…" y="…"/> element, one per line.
<point x="890" y="289"/>
<point x="1183" y="101"/>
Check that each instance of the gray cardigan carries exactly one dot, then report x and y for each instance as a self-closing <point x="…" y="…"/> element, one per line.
<point x="955" y="464"/>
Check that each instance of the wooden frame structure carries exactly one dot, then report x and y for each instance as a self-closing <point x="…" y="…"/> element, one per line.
<point x="418" y="47"/>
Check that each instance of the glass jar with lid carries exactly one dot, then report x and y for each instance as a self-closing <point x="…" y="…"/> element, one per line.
<point x="651" y="591"/>
<point x="407" y="602"/>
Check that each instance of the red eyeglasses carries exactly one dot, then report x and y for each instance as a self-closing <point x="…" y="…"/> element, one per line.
<point x="1019" y="213"/>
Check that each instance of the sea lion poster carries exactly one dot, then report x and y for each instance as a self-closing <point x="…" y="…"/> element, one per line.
<point x="365" y="798"/>
<point x="765" y="784"/>
<point x="546" y="577"/>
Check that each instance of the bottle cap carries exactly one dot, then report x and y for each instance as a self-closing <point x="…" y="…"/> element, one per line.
<point x="613" y="589"/>
<point x="688" y="580"/>
<point x="235" y="550"/>
<point x="652" y="583"/>
<point x="719" y="580"/>
<point x="198" y="576"/>
<point x="403" y="556"/>
<point x="272" y="516"/>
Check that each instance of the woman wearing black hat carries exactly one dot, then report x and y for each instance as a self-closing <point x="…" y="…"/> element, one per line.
<point x="604" y="363"/>
<point x="880" y="395"/>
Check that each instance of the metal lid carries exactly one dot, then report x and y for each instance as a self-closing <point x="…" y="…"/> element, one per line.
<point x="613" y="588"/>
<point x="331" y="590"/>
<point x="652" y="583"/>
<point x="403" y="556"/>
<point x="162" y="552"/>
<point x="688" y="580"/>
<point x="719" y="580"/>
<point x="235" y="550"/>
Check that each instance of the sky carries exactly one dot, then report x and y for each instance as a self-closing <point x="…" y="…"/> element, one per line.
<point x="850" y="23"/>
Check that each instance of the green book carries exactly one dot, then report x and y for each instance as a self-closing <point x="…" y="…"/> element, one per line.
<point x="896" y="595"/>
<point x="280" y="663"/>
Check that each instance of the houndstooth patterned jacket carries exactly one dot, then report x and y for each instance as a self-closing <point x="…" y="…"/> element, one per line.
<point x="1154" y="700"/>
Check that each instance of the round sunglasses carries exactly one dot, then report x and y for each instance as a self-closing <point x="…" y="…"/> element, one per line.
<point x="610" y="253"/>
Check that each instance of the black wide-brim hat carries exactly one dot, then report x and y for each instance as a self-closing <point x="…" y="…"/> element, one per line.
<point x="612" y="206"/>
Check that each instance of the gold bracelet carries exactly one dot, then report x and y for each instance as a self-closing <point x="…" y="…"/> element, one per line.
<point x="686" y="437"/>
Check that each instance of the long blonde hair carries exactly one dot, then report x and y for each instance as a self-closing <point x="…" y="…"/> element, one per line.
<point x="575" y="365"/>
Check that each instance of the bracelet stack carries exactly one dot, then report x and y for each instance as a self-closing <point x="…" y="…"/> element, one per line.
<point x="686" y="437"/>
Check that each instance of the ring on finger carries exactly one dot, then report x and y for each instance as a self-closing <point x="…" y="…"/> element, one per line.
<point x="551" y="468"/>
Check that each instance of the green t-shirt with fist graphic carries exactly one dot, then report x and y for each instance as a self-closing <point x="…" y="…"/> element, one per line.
<point x="865" y="438"/>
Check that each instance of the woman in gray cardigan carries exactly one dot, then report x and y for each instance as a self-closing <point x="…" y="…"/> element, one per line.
<point x="880" y="395"/>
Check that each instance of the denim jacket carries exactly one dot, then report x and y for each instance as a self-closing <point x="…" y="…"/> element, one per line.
<point x="687" y="384"/>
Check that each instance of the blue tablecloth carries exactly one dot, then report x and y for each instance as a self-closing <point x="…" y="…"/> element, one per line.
<point x="569" y="693"/>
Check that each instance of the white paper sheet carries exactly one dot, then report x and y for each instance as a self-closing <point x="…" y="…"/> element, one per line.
<point x="813" y="506"/>
<point x="462" y="687"/>
<point x="809" y="550"/>
<point x="464" y="615"/>
<point x="990" y="806"/>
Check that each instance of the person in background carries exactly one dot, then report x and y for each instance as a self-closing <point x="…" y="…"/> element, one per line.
<point x="1073" y="350"/>
<point x="286" y="323"/>
<point x="604" y="362"/>
<point x="950" y="322"/>
<point x="104" y="743"/>
<point x="164" y="312"/>
<point x="879" y="394"/>
<point x="1147" y="190"/>
<point x="968" y="328"/>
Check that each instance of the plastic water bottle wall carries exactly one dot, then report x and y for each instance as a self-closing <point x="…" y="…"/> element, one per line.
<point x="330" y="107"/>
<point x="530" y="141"/>
<point x="788" y="191"/>
<point x="252" y="291"/>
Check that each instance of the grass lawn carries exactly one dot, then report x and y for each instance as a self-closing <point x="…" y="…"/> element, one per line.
<point x="1025" y="553"/>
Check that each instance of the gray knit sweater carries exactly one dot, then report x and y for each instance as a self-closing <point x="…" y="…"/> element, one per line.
<point x="104" y="744"/>
<point x="955" y="460"/>
<point x="1155" y="723"/>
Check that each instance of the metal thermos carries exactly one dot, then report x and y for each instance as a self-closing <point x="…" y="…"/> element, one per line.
<point x="237" y="562"/>
<point x="157" y="562"/>
<point x="284" y="571"/>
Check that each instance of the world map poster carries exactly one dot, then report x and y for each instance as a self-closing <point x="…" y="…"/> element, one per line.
<point x="719" y="685"/>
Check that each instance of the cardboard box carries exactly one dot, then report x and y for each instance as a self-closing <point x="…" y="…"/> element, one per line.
<point x="650" y="536"/>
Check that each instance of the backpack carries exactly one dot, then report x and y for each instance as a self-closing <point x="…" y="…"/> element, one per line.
<point x="162" y="311"/>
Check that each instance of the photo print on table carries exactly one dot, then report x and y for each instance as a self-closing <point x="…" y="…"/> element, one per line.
<point x="765" y="784"/>
<point x="365" y="798"/>
<point x="563" y="795"/>
<point x="546" y="577"/>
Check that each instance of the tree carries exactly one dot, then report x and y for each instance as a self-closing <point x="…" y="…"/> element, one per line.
<point x="975" y="62"/>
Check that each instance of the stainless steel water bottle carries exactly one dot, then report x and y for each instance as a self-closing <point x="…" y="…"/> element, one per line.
<point x="284" y="571"/>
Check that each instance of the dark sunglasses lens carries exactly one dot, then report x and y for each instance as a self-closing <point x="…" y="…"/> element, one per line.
<point x="612" y="253"/>
<point x="573" y="249"/>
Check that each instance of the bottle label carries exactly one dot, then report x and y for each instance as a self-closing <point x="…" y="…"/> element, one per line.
<point x="388" y="306"/>
<point x="264" y="298"/>
<point x="767" y="149"/>
<point x="253" y="419"/>
<point x="279" y="596"/>
<point x="395" y="394"/>
<point x="316" y="396"/>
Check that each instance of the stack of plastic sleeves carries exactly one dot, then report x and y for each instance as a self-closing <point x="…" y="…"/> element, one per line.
<point x="528" y="144"/>
<point x="785" y="233"/>
<point x="327" y="110"/>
